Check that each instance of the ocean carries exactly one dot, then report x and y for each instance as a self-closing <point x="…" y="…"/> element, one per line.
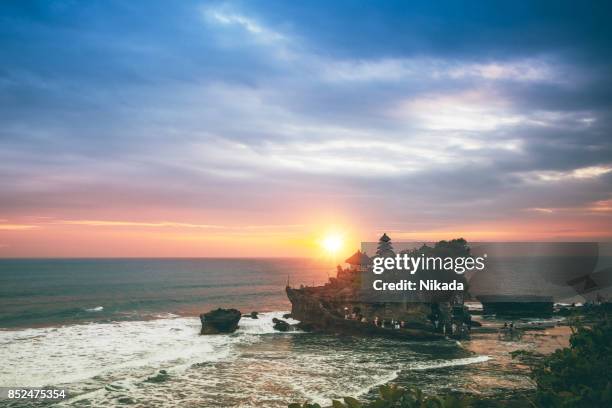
<point x="47" y="292"/>
<point x="103" y="329"/>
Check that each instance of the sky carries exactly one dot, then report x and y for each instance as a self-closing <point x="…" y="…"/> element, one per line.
<point x="251" y="128"/>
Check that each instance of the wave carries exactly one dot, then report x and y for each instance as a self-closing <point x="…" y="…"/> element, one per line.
<point x="77" y="352"/>
<point x="323" y="397"/>
<point x="263" y="324"/>
<point x="432" y="365"/>
<point x="105" y="362"/>
<point x="95" y="309"/>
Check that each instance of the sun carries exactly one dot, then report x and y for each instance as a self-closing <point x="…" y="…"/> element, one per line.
<point x="332" y="244"/>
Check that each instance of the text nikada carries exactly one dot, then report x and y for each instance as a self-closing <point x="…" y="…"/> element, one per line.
<point x="423" y="284"/>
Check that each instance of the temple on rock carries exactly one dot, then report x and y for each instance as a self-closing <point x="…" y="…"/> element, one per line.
<point x="339" y="306"/>
<point x="357" y="263"/>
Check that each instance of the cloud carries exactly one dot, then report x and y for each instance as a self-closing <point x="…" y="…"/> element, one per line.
<point x="542" y="210"/>
<point x="16" y="227"/>
<point x="407" y="114"/>
<point x="250" y="25"/>
<point x="584" y="173"/>
<point x="419" y="68"/>
<point x="467" y="111"/>
<point x="602" y="206"/>
<point x="107" y="223"/>
<point x="169" y="224"/>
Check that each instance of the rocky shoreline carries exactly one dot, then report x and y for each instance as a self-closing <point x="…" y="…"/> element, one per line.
<point x="225" y="321"/>
<point x="314" y="316"/>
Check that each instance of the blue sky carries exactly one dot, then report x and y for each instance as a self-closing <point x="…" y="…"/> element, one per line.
<point x="418" y="118"/>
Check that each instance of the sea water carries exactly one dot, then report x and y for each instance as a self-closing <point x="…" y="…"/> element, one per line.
<point x="103" y="329"/>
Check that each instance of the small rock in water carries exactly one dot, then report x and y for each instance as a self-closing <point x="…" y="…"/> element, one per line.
<point x="287" y="316"/>
<point x="281" y="325"/>
<point x="220" y="321"/>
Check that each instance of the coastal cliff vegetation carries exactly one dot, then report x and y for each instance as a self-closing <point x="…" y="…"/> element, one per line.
<point x="579" y="375"/>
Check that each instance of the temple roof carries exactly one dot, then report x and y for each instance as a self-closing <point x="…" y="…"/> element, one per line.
<point x="358" y="258"/>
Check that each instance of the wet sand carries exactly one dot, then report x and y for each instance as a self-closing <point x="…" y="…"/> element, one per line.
<point x="502" y="373"/>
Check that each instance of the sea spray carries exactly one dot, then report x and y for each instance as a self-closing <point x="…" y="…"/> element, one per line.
<point x="109" y="364"/>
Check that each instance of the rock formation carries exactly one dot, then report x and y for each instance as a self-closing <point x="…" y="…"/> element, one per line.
<point x="342" y="306"/>
<point x="220" y="321"/>
<point x="281" y="325"/>
<point x="315" y="313"/>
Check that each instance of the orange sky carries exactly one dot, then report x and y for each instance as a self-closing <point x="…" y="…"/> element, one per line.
<point x="50" y="237"/>
<point x="240" y="130"/>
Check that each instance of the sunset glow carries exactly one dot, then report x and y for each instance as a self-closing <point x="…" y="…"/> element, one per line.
<point x="332" y="244"/>
<point x="279" y="131"/>
<point x="222" y="203"/>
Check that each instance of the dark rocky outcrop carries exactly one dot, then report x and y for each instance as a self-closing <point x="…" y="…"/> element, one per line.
<point x="252" y="315"/>
<point x="348" y="304"/>
<point x="220" y="321"/>
<point x="308" y="308"/>
<point x="281" y="325"/>
<point x="287" y="316"/>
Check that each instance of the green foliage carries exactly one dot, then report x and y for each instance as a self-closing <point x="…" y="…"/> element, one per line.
<point x="385" y="248"/>
<point x="453" y="248"/>
<point x="581" y="375"/>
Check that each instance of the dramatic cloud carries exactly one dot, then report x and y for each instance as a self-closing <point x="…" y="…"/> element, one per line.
<point x="414" y="117"/>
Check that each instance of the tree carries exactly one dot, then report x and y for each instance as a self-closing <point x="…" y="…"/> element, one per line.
<point x="580" y="375"/>
<point x="385" y="249"/>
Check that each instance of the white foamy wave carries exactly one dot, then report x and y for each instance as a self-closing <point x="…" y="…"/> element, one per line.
<point x="60" y="355"/>
<point x="95" y="309"/>
<point x="430" y="365"/>
<point x="103" y="364"/>
<point x="166" y="315"/>
<point x="374" y="381"/>
<point x="68" y="354"/>
<point x="263" y="324"/>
